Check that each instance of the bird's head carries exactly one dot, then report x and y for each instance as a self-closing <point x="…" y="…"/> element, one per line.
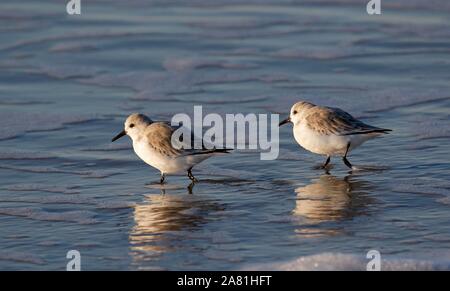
<point x="297" y="112"/>
<point x="133" y="126"/>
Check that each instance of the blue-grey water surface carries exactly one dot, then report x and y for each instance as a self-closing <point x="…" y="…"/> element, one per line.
<point x="68" y="82"/>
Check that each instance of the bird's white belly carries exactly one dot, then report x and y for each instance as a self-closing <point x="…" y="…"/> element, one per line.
<point x="328" y="144"/>
<point x="321" y="144"/>
<point x="166" y="164"/>
<point x="155" y="159"/>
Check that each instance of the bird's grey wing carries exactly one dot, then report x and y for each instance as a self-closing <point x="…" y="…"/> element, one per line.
<point x="159" y="135"/>
<point x="336" y="121"/>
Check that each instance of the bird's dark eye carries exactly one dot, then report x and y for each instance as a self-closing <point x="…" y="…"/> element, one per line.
<point x="131" y="125"/>
<point x="295" y="112"/>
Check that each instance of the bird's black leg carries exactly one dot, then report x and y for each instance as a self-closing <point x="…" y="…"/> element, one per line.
<point x="193" y="179"/>
<point x="190" y="187"/>
<point x="344" y="158"/>
<point x="163" y="177"/>
<point x="326" y="162"/>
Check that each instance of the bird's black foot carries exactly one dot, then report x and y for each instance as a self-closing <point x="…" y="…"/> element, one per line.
<point x="191" y="176"/>
<point x="191" y="187"/>
<point x="344" y="158"/>
<point x="347" y="163"/>
<point x="163" y="177"/>
<point x="324" y="166"/>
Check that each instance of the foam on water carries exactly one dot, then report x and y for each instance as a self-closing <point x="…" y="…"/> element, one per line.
<point x="351" y="262"/>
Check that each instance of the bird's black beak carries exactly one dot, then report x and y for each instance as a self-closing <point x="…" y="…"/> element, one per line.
<point x="119" y="136"/>
<point x="287" y="120"/>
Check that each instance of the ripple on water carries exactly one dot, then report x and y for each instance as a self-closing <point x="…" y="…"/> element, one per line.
<point x="100" y="174"/>
<point x="422" y="186"/>
<point x="25" y="155"/>
<point x="424" y="128"/>
<point x="15" y="123"/>
<point x="189" y="64"/>
<point x="34" y="213"/>
<point x="43" y="188"/>
<point x="72" y="46"/>
<point x="21" y="258"/>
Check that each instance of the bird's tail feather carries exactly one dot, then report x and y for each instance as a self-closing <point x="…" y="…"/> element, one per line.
<point x="376" y="130"/>
<point x="211" y="151"/>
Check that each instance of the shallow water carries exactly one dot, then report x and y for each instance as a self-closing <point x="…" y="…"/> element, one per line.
<point x="68" y="82"/>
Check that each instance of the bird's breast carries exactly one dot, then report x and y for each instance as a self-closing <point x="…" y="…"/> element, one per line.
<point x="164" y="163"/>
<point x="318" y="143"/>
<point x="149" y="155"/>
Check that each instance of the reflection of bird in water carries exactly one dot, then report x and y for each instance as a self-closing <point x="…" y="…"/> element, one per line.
<point x="330" y="199"/>
<point x="161" y="221"/>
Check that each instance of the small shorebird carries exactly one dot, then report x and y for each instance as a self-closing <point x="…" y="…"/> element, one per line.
<point x="152" y="143"/>
<point x="329" y="131"/>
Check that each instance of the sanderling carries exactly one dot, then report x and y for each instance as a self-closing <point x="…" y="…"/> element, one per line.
<point x="152" y="143"/>
<point x="329" y="131"/>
